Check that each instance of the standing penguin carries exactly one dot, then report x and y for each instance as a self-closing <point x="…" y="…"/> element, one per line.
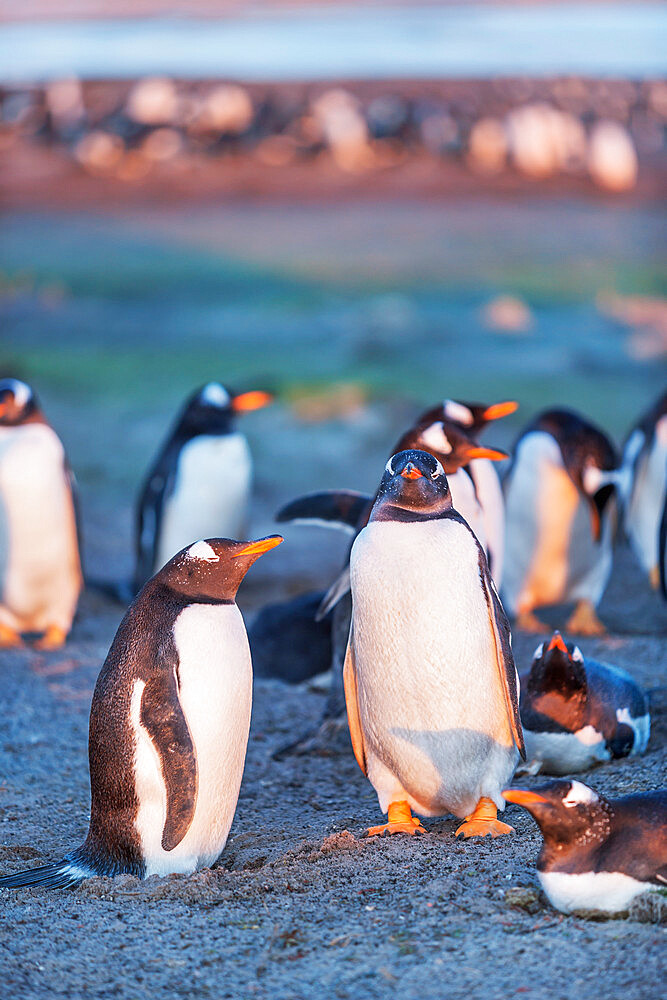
<point x="430" y="683"/>
<point x="169" y="724"/>
<point x="644" y="473"/>
<point x="200" y="482"/>
<point x="577" y="713"/>
<point x="560" y="518"/>
<point x="40" y="565"/>
<point x="598" y="854"/>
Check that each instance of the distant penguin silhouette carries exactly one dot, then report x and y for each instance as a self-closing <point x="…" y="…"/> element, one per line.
<point x="598" y="854"/>
<point x="200" y="482"/>
<point x="644" y="472"/>
<point x="40" y="565"/>
<point x="577" y="713"/>
<point x="560" y="504"/>
<point x="169" y="724"/>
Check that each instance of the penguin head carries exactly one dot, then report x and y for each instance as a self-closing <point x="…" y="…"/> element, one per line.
<point x="413" y="488"/>
<point x="557" y="682"/>
<point x="212" y="408"/>
<point x="475" y="416"/>
<point x="443" y="438"/>
<point x="211" y="570"/>
<point x="565" y="811"/>
<point x="17" y="402"/>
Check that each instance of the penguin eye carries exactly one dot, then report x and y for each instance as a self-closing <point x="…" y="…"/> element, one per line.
<point x="577" y="655"/>
<point x="538" y="652"/>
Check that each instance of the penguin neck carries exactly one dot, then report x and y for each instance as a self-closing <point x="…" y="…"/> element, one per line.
<point x="386" y="510"/>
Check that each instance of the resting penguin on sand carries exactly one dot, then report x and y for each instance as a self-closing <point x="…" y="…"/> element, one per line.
<point x="40" y="565"/>
<point x="430" y="683"/>
<point x="560" y="508"/>
<point x="199" y="484"/>
<point x="169" y="724"/>
<point x="577" y="713"/>
<point x="598" y="854"/>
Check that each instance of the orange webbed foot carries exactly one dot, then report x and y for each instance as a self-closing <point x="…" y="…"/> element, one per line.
<point x="483" y="822"/>
<point x="400" y="820"/>
<point x="10" y="638"/>
<point x="53" y="638"/>
<point x="527" y="621"/>
<point x="584" y="620"/>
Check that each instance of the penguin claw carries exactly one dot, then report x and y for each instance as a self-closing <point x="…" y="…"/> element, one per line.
<point x="401" y="820"/>
<point x="10" y="638"/>
<point x="53" y="638"/>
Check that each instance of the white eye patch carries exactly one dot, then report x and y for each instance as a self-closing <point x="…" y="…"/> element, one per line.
<point x="435" y="437"/>
<point x="579" y="794"/>
<point x="202" y="550"/>
<point x="577" y="655"/>
<point x="389" y="467"/>
<point x="215" y="395"/>
<point x="22" y="393"/>
<point x="458" y="412"/>
<point x="538" y="652"/>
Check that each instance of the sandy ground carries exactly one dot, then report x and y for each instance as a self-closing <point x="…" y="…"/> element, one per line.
<point x="299" y="905"/>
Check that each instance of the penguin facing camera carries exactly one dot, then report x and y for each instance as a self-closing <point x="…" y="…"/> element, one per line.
<point x="577" y="713"/>
<point x="199" y="483"/>
<point x="40" y="563"/>
<point x="431" y="693"/>
<point x="169" y="724"/>
<point x="598" y="854"/>
<point x="644" y="473"/>
<point x="560" y="505"/>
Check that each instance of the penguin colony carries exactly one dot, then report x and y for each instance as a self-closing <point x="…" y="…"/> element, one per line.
<point x="432" y="554"/>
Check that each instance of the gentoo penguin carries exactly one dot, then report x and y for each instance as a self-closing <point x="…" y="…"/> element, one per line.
<point x="40" y="565"/>
<point x="199" y="484"/>
<point x="598" y="854"/>
<point x="644" y="472"/>
<point x="169" y="724"/>
<point x="577" y="713"/>
<point x="437" y="732"/>
<point x="560" y="509"/>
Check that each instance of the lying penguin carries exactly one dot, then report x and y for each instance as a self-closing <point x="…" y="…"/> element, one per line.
<point x="598" y="854"/>
<point x="169" y="724"/>
<point x="199" y="483"/>
<point x="644" y="471"/>
<point x="560" y="506"/>
<point x="577" y="713"/>
<point x="40" y="564"/>
<point x="430" y="683"/>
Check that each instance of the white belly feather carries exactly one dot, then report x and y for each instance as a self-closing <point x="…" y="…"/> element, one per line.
<point x="608" y="891"/>
<point x="39" y="555"/>
<point x="431" y="704"/>
<point x="466" y="503"/>
<point x="647" y="496"/>
<point x="216" y="695"/>
<point x="492" y="504"/>
<point x="210" y="495"/>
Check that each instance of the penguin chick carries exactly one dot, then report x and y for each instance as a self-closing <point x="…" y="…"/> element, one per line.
<point x="560" y="507"/>
<point x="598" y="854"/>
<point x="577" y="713"/>
<point x="430" y="683"/>
<point x="169" y="724"/>
<point x="39" y="545"/>
<point x="200" y="481"/>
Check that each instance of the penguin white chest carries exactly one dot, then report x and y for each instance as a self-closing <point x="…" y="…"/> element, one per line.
<point x="215" y="692"/>
<point x="431" y="703"/>
<point x="210" y="495"/>
<point x="467" y="504"/>
<point x="39" y="556"/>
<point x="492" y="504"/>
<point x="647" y="498"/>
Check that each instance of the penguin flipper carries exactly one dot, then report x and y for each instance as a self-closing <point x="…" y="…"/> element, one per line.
<point x="504" y="658"/>
<point x="338" y="589"/>
<point x="342" y="509"/>
<point x="163" y="718"/>
<point x="352" y="703"/>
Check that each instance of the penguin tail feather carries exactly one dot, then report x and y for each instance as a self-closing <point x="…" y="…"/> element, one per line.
<point x="63" y="875"/>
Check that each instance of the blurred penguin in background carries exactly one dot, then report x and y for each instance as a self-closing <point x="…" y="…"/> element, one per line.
<point x="561" y="511"/>
<point x="40" y="565"/>
<point x="644" y="473"/>
<point x="199" y="484"/>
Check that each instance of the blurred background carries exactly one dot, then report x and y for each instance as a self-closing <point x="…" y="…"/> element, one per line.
<point x="363" y="207"/>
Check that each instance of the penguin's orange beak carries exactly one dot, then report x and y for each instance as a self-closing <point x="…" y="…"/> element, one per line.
<point x="498" y="410"/>
<point x="261" y="546"/>
<point x="253" y="400"/>
<point x="522" y="797"/>
<point x="479" y="451"/>
<point x="557" y="643"/>
<point x="411" y="472"/>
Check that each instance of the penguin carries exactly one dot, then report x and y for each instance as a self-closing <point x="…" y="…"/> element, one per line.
<point x="598" y="854"/>
<point x="560" y="502"/>
<point x="40" y="562"/>
<point x="577" y="713"/>
<point x="644" y="470"/>
<point x="430" y="683"/>
<point x="199" y="484"/>
<point x="169" y="724"/>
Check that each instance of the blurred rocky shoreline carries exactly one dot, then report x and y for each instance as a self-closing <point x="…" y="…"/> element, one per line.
<point x="72" y="140"/>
